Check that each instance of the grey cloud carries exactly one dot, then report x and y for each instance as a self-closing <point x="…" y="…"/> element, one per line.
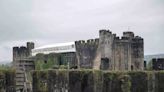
<point x="15" y="22"/>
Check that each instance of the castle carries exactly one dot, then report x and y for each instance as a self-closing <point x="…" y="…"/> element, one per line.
<point x="108" y="52"/>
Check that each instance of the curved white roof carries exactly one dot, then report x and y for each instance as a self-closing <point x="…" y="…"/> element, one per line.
<point x="56" y="45"/>
<point x="55" y="48"/>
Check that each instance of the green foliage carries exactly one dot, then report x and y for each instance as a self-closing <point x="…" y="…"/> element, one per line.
<point x="139" y="81"/>
<point x="125" y="82"/>
<point x="50" y="61"/>
<point x="40" y="80"/>
<point x="159" y="76"/>
<point x="49" y="64"/>
<point x="2" y="78"/>
<point x="98" y="80"/>
<point x="63" y="67"/>
<point x="42" y="65"/>
<point x="55" y="67"/>
<point x="38" y="65"/>
<point x="7" y="78"/>
<point x="5" y="67"/>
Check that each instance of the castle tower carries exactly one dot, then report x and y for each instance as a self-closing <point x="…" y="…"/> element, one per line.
<point x="30" y="46"/>
<point x="23" y="51"/>
<point x="128" y="34"/>
<point x="125" y="53"/>
<point x="86" y="53"/>
<point x="21" y="62"/>
<point x="106" y="46"/>
<point x="137" y="53"/>
<point x="15" y="53"/>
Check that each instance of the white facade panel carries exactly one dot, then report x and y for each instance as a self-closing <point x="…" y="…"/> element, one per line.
<point x="55" y="48"/>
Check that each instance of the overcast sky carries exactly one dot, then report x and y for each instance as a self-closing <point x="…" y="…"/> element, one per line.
<point x="52" y="21"/>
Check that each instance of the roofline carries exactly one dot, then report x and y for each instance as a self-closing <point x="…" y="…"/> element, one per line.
<point x="55" y="45"/>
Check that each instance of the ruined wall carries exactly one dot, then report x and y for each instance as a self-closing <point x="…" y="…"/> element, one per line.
<point x="7" y="81"/>
<point x="158" y="63"/>
<point x="55" y="60"/>
<point x="69" y="59"/>
<point x="97" y="81"/>
<point x="86" y="53"/>
<point x="46" y="61"/>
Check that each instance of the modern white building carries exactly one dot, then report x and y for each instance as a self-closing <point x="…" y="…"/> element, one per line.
<point x="55" y="48"/>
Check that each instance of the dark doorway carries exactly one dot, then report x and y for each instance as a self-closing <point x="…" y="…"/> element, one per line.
<point x="132" y="67"/>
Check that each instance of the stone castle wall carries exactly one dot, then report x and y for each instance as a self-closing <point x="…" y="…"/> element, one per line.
<point x="86" y="52"/>
<point x="110" y="52"/>
<point x="125" y="53"/>
<point x="97" y="81"/>
<point x="121" y="54"/>
<point x="55" y="60"/>
<point x="7" y="81"/>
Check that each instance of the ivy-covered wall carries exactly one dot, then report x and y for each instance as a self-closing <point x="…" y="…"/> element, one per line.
<point x="97" y="81"/>
<point x="7" y="81"/>
<point x="43" y="62"/>
<point x="55" y="61"/>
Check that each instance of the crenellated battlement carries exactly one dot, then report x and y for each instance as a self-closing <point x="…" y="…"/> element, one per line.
<point x="114" y="35"/>
<point x="117" y="38"/>
<point x="125" y="38"/>
<point x="104" y="31"/>
<point x="23" y="48"/>
<point x="22" y="51"/>
<point x="138" y="39"/>
<point x="128" y="34"/>
<point x="30" y="45"/>
<point x="121" y="39"/>
<point x="15" y="48"/>
<point x="86" y="51"/>
<point x="87" y="42"/>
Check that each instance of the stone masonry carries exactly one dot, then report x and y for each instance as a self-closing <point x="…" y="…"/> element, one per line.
<point x="23" y="64"/>
<point x="109" y="52"/>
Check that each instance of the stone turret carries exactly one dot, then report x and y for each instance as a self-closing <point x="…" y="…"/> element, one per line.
<point x="15" y="53"/>
<point x="22" y="63"/>
<point x="137" y="53"/>
<point x="23" y="51"/>
<point x="30" y="46"/>
<point x="106" y="46"/>
<point x="128" y="34"/>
